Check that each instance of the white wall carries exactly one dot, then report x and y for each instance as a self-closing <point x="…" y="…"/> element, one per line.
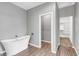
<point x="46" y="27"/>
<point x="66" y="23"/>
<point x="13" y="21"/>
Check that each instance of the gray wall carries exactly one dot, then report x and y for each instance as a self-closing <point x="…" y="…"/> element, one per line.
<point x="69" y="11"/>
<point x="77" y="26"/>
<point x="33" y="20"/>
<point x="66" y="11"/>
<point x="46" y="27"/>
<point x="13" y="21"/>
<point x="57" y="16"/>
<point x="73" y="11"/>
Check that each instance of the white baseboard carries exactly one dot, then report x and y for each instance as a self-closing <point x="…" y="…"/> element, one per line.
<point x="75" y="50"/>
<point x="34" y="45"/>
<point x="46" y="41"/>
<point x="54" y="52"/>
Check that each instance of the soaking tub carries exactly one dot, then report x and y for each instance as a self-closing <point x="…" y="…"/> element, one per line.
<point x="14" y="46"/>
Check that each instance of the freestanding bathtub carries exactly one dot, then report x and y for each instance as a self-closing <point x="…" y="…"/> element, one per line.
<point x="14" y="46"/>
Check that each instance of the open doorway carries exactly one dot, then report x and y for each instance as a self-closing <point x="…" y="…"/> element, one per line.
<point x="47" y="30"/>
<point x="66" y="37"/>
<point x="66" y="30"/>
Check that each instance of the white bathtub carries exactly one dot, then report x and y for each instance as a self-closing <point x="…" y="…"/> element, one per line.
<point x="14" y="46"/>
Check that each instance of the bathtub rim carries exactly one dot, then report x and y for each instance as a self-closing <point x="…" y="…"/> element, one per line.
<point x="18" y="38"/>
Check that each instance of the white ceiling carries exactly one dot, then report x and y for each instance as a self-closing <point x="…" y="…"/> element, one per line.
<point x="27" y="5"/>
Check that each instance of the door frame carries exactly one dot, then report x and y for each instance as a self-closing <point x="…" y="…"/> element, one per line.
<point x="52" y="31"/>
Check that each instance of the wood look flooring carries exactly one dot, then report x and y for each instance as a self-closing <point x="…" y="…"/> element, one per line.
<point x="65" y="41"/>
<point x="45" y="50"/>
<point x="65" y="48"/>
<point x="66" y="51"/>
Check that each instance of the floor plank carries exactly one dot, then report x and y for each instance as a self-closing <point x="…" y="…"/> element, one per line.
<point x="33" y="51"/>
<point x="65" y="48"/>
<point x="65" y="41"/>
<point x="66" y="51"/>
